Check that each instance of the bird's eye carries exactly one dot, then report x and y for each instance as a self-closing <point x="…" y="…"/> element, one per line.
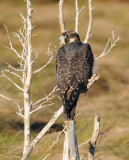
<point x="66" y="36"/>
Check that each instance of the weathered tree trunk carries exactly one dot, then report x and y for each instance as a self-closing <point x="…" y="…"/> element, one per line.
<point x="94" y="138"/>
<point x="70" y="144"/>
<point x="28" y="78"/>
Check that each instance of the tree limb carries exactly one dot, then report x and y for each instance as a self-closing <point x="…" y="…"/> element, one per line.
<point x="77" y="15"/>
<point x="13" y="73"/>
<point x="61" y="16"/>
<point x="113" y="42"/>
<point x="48" y="97"/>
<point x="53" y="144"/>
<point x="46" y="128"/>
<point x="16" y="85"/>
<point x="49" y="61"/>
<point x="88" y="34"/>
<point x="42" y="105"/>
<point x="19" y="107"/>
<point x="94" y="138"/>
<point x="42" y="133"/>
<point x="11" y="46"/>
<point x="15" y="69"/>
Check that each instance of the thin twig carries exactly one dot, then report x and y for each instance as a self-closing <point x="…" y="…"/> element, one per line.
<point x="41" y="106"/>
<point x="11" y="46"/>
<point x="13" y="73"/>
<point x="47" y="97"/>
<point x="15" y="69"/>
<point x="88" y="34"/>
<point x="55" y="142"/>
<point x="50" y="55"/>
<point x="44" y="66"/>
<point x="85" y="155"/>
<point x="84" y="143"/>
<point x="61" y="16"/>
<point x="113" y="42"/>
<point x="77" y="15"/>
<point x="19" y="107"/>
<point x="16" y="85"/>
<point x="46" y="101"/>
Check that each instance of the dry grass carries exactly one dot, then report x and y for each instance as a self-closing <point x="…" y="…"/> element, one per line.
<point x="108" y="97"/>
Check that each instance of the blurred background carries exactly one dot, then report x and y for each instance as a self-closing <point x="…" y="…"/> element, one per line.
<point x="109" y="96"/>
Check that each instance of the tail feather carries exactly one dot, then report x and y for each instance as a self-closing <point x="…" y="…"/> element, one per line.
<point x="70" y="104"/>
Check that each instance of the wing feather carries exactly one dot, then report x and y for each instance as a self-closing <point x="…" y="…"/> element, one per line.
<point x="74" y="64"/>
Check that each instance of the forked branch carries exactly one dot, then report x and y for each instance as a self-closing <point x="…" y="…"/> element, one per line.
<point x="42" y="133"/>
<point x="16" y="85"/>
<point x="19" y="107"/>
<point x="77" y="15"/>
<point x="11" y="46"/>
<point x="46" y="128"/>
<point x="47" y="97"/>
<point x="112" y="41"/>
<point x="13" y="73"/>
<point x="50" y="55"/>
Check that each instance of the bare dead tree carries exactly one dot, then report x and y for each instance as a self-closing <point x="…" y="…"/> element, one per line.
<point x="60" y="111"/>
<point x="25" y="73"/>
<point x="70" y="144"/>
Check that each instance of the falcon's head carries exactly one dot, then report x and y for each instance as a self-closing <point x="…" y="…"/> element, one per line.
<point x="69" y="37"/>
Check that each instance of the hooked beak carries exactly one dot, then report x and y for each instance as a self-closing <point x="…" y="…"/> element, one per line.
<point x="61" y="38"/>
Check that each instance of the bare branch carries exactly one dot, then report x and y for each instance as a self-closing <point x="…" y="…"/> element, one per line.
<point x="55" y="142"/>
<point x="113" y="42"/>
<point x="42" y="133"/>
<point x="46" y="128"/>
<point x="9" y="71"/>
<point x="16" y="69"/>
<point x="19" y="107"/>
<point x="24" y="19"/>
<point x="44" y="104"/>
<point x="44" y="66"/>
<point x="50" y="55"/>
<point x="61" y="16"/>
<point x="84" y="143"/>
<point x="17" y="35"/>
<point x="11" y="46"/>
<point x="94" y="138"/>
<point x="93" y="79"/>
<point x="88" y="34"/>
<point x="83" y="156"/>
<point x="48" y="97"/>
<point x="46" y="101"/>
<point x="77" y="15"/>
<point x="16" y="85"/>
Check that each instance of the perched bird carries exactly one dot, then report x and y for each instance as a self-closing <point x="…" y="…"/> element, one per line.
<point x="75" y="65"/>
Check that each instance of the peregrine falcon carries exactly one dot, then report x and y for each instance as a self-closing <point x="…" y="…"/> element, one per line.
<point x="74" y="67"/>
